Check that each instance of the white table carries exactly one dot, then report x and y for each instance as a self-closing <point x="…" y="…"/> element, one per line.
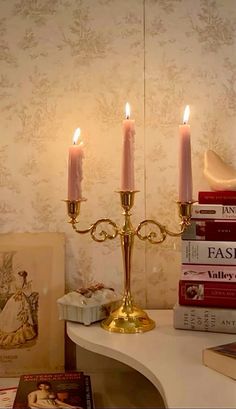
<point x="171" y="359"/>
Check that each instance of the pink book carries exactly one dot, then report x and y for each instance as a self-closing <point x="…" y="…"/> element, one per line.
<point x="208" y="272"/>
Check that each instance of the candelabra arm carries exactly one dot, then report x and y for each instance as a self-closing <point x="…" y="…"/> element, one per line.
<point x="73" y="210"/>
<point x="185" y="210"/>
<point x="183" y="226"/>
<point x="152" y="236"/>
<point x="73" y="224"/>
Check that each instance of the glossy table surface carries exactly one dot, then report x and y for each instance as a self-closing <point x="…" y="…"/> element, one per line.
<point x="171" y="359"/>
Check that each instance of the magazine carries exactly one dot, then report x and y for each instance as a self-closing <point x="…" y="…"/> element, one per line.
<point x="51" y="390"/>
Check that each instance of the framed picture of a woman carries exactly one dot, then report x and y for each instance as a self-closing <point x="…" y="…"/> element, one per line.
<point x="32" y="278"/>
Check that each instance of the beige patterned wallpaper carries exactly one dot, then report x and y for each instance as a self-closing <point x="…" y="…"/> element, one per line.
<point x="70" y="63"/>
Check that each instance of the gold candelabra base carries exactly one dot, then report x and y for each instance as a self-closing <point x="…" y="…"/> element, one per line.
<point x="128" y="322"/>
<point x="128" y="318"/>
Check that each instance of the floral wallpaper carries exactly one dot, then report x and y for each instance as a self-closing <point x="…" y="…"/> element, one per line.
<point x="68" y="64"/>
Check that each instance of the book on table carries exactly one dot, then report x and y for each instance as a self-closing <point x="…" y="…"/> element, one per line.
<point x="221" y="358"/>
<point x="207" y="293"/>
<point x="213" y="211"/>
<point x="209" y="319"/>
<point x="54" y="390"/>
<point x="208" y="272"/>
<point x="209" y="252"/>
<point x="210" y="230"/>
<point x="223" y="197"/>
<point x="207" y="285"/>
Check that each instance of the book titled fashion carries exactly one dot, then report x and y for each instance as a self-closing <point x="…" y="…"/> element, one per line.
<point x="213" y="211"/>
<point x="205" y="319"/>
<point x="226" y="197"/>
<point x="221" y="358"/>
<point x="208" y="252"/>
<point x="213" y="229"/>
<point x="52" y="390"/>
<point x="206" y="272"/>
<point x="207" y="294"/>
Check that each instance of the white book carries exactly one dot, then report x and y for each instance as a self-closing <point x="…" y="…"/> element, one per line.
<point x="209" y="252"/>
<point x="217" y="211"/>
<point x="205" y="319"/>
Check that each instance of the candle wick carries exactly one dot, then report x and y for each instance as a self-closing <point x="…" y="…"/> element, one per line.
<point x="127" y="116"/>
<point x="185" y="122"/>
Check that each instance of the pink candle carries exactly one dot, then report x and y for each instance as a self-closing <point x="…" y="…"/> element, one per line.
<point x="185" y="167"/>
<point x="75" y="171"/>
<point x="127" y="162"/>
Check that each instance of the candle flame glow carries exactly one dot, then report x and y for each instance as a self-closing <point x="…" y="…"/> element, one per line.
<point x="186" y="114"/>
<point x="127" y="110"/>
<point x="76" y="136"/>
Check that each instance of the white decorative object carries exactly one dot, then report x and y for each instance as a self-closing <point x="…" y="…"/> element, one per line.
<point x="219" y="175"/>
<point x="87" y="306"/>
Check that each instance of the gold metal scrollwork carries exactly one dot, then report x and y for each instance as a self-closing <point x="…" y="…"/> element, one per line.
<point x="103" y="235"/>
<point x="152" y="236"/>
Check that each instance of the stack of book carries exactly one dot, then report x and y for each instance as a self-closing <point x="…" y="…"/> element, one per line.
<point x="207" y="288"/>
<point x="54" y="390"/>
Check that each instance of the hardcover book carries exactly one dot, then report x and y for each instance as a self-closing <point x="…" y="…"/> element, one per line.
<point x="211" y="211"/>
<point x="221" y="358"/>
<point x="212" y="230"/>
<point x="51" y="390"/>
<point x="206" y="272"/>
<point x="209" y="252"/>
<point x="205" y="319"/>
<point x="207" y="294"/>
<point x="227" y="197"/>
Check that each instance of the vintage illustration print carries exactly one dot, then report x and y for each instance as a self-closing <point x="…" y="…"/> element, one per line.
<point x="18" y="305"/>
<point x="31" y="280"/>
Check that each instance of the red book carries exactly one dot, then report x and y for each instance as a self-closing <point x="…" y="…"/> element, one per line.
<point x="207" y="293"/>
<point x="51" y="390"/>
<point x="227" y="197"/>
<point x="211" y="230"/>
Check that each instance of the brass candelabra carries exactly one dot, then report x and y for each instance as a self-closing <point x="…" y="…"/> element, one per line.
<point x="128" y="318"/>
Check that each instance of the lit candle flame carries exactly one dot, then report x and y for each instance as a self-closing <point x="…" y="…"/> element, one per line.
<point x="127" y="110"/>
<point x="186" y="114"/>
<point x="76" y="136"/>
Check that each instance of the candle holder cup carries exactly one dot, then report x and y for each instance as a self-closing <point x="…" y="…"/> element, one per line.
<point x="128" y="318"/>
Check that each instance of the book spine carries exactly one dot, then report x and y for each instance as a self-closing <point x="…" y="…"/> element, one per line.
<point x="204" y="229"/>
<point x="209" y="252"/>
<point x="202" y="272"/>
<point x="88" y="392"/>
<point x="219" y="197"/>
<point x="210" y="211"/>
<point x="207" y="294"/>
<point x="205" y="319"/>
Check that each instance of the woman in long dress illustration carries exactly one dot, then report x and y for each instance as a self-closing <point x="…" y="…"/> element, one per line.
<point x="16" y="322"/>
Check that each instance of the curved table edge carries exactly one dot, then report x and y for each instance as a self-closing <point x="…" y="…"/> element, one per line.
<point x="119" y="356"/>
